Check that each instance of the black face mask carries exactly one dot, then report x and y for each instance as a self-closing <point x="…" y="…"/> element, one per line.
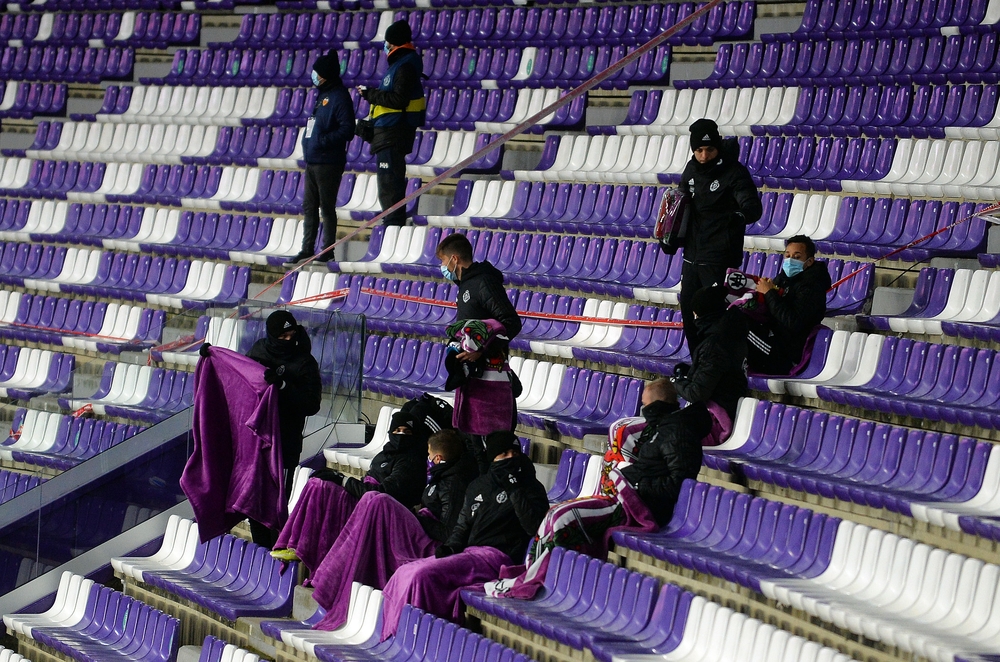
<point x="283" y="348"/>
<point x="513" y="467"/>
<point x="702" y="168"/>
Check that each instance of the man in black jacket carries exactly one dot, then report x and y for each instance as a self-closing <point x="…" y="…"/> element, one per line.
<point x="485" y="397"/>
<point x="796" y="304"/>
<point x="398" y="108"/>
<point x="286" y="353"/>
<point x="724" y="200"/>
<point x="324" y="149"/>
<point x="717" y="373"/>
<point x="668" y="449"/>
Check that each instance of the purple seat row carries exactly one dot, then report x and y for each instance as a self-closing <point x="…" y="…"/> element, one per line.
<point x="163" y="393"/>
<point x="939" y="59"/>
<point x="13" y="484"/>
<point x="70" y="441"/>
<point x="96" y="5"/>
<point x="70" y="64"/>
<point x="884" y="18"/>
<point x="144" y="30"/>
<point x="29" y="100"/>
<point x="306" y="30"/>
<point x="857" y="461"/>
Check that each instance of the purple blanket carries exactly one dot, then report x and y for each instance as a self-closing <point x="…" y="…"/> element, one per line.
<point x="380" y="536"/>
<point x="235" y="470"/>
<point x="319" y="516"/>
<point x="483" y="406"/>
<point x="434" y="585"/>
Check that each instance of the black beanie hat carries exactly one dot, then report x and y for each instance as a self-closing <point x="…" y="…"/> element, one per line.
<point x="328" y="66"/>
<point x="279" y="322"/>
<point x="709" y="301"/>
<point x="399" y="33"/>
<point x="500" y="442"/>
<point x="705" y="132"/>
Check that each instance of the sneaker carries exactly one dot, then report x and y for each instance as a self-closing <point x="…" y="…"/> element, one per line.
<point x="285" y="555"/>
<point x="297" y="260"/>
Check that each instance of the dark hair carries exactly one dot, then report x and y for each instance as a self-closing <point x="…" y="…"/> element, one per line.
<point x="456" y="244"/>
<point x="447" y="443"/>
<point x="805" y="241"/>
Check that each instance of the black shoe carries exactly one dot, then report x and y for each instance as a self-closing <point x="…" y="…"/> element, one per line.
<point x="297" y="260"/>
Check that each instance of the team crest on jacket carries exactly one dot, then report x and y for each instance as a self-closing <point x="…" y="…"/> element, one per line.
<point x="714" y="186"/>
<point x="326" y="101"/>
<point x="502" y="497"/>
<point x="466" y="296"/>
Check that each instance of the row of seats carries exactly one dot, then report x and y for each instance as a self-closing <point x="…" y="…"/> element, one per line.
<point x="141" y="29"/>
<point x="921" y="111"/>
<point x="942" y="479"/>
<point x="619" y="614"/>
<point x="137" y="392"/>
<point x="878" y="585"/>
<point x="313" y="30"/>
<point x="228" y="575"/>
<point x="953" y="302"/>
<point x="26" y="373"/>
<point x="895" y="18"/>
<point x="70" y="64"/>
<point x="26" y="100"/>
<point x="86" y="325"/>
<point x="179" y="283"/>
<point x="56" y="441"/>
<point x="938" y="59"/>
<point x="102" y="5"/>
<point x="229" y="332"/>
<point x="222" y="106"/>
<point x="13" y="483"/>
<point x="118" y="627"/>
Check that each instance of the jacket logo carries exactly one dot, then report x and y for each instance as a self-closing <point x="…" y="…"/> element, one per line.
<point x="714" y="186"/>
<point x="383" y="165"/>
<point x="466" y="296"/>
<point x="706" y="137"/>
<point x="474" y="508"/>
<point x="383" y="464"/>
<point x="502" y="497"/>
<point x="430" y="489"/>
<point x="326" y="101"/>
<point x="479" y="497"/>
<point x="387" y="80"/>
<point x="512" y="479"/>
<point x="280" y="370"/>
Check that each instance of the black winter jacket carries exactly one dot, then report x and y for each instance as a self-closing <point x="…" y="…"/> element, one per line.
<point x="481" y="296"/>
<point x="797" y="309"/>
<point x="404" y="86"/>
<point x="302" y="393"/>
<point x="332" y="126"/>
<point x="724" y="200"/>
<point x="718" y="367"/>
<point x="669" y="451"/>
<point x="445" y="494"/>
<point x="400" y="469"/>
<point x="502" y="509"/>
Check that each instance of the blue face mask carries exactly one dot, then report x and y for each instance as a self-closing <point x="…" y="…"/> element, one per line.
<point x="315" y="78"/>
<point x="386" y="47"/>
<point x="792" y="267"/>
<point x="448" y="273"/>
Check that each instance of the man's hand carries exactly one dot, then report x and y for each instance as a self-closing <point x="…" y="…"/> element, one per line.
<point x="765" y="285"/>
<point x="471" y="357"/>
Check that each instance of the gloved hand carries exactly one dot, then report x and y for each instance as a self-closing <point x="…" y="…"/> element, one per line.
<point x="443" y="551"/>
<point x="272" y="377"/>
<point x="203" y="351"/>
<point x="681" y="370"/>
<point x="330" y="475"/>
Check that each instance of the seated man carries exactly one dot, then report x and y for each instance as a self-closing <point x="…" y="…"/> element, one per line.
<point x="647" y="460"/>
<point x="382" y="534"/>
<point x="329" y="497"/>
<point x="796" y="304"/>
<point x="502" y="510"/>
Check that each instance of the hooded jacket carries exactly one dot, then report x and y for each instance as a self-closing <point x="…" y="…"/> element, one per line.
<point x="398" y="105"/>
<point x="669" y="451"/>
<point x="724" y="200"/>
<point x="400" y="470"/>
<point x="301" y="396"/>
<point x="445" y="494"/>
<point x="481" y="296"/>
<point x="503" y="509"/>
<point x="718" y="367"/>
<point x="797" y="308"/>
<point x="331" y="126"/>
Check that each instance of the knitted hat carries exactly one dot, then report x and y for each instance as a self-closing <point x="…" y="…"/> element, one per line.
<point x="399" y="33"/>
<point x="279" y="322"/>
<point x="328" y="66"/>
<point x="498" y="443"/>
<point x="402" y="419"/>
<point x="705" y="132"/>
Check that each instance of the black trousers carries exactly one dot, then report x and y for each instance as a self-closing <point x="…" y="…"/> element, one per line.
<point x="763" y="355"/>
<point x="693" y="278"/>
<point x="391" y="180"/>
<point x="262" y="535"/>
<point x="322" y="186"/>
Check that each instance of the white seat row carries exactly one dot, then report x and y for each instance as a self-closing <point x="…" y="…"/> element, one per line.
<point x="450" y="147"/>
<point x="488" y="198"/>
<point x="180" y="542"/>
<point x="219" y="106"/>
<point x="851" y="360"/>
<point x="968" y="169"/>
<point x="130" y="142"/>
<point x="364" y="197"/>
<point x="364" y="620"/>
<point x="7" y="655"/>
<point x="529" y="102"/>
<point x="588" y="335"/>
<point x="129" y="387"/>
<point x="360" y="458"/>
<point x="734" y="109"/>
<point x="313" y="283"/>
<point x="400" y="245"/>
<point x="31" y="371"/>
<point x="39" y="432"/>
<point x="69" y="608"/>
<point x="628" y="159"/>
<point x="974" y="298"/>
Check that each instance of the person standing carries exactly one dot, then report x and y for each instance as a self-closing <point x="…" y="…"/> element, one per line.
<point x="398" y="108"/>
<point x="724" y="200"/>
<point x="324" y="149"/>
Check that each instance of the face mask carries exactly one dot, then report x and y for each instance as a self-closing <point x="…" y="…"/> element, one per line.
<point x="315" y="78"/>
<point x="792" y="267"/>
<point x="386" y="47"/>
<point x="448" y="273"/>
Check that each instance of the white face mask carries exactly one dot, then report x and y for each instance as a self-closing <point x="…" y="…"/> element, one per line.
<point x="315" y="79"/>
